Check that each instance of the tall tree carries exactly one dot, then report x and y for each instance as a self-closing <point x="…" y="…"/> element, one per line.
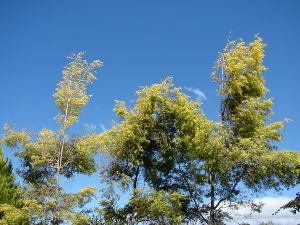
<point x="248" y="159"/>
<point x="167" y="143"/>
<point x="48" y="156"/>
<point x="147" y="141"/>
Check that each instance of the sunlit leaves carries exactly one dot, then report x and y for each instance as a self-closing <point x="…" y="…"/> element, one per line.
<point x="166" y="142"/>
<point x="48" y="155"/>
<point x="163" y="130"/>
<point x="176" y="164"/>
<point x="13" y="215"/>
<point x="161" y="207"/>
<point x="71" y="94"/>
<point x="245" y="112"/>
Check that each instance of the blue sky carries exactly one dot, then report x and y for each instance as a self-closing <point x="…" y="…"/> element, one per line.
<point x="141" y="43"/>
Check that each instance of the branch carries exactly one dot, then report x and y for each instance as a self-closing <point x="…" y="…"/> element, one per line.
<point x="193" y="197"/>
<point x="232" y="189"/>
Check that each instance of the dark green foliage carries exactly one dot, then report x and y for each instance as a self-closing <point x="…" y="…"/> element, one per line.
<point x="8" y="188"/>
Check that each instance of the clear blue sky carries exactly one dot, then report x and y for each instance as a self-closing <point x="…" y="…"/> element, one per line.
<point x="140" y="43"/>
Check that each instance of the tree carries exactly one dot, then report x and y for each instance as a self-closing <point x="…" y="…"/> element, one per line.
<point x="48" y="156"/>
<point x="147" y="142"/>
<point x="165" y="142"/>
<point x="244" y="113"/>
<point x="8" y="188"/>
<point x="10" y="199"/>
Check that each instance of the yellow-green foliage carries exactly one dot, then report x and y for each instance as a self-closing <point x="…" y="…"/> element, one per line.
<point x="158" y="207"/>
<point x="176" y="164"/>
<point x="49" y="155"/>
<point x="71" y="94"/>
<point x="166" y="141"/>
<point x="13" y="215"/>
<point x="242" y="64"/>
<point x="162" y="115"/>
<point x="242" y="87"/>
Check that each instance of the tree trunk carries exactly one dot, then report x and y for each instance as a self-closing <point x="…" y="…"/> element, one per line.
<point x="212" y="200"/>
<point x="134" y="188"/>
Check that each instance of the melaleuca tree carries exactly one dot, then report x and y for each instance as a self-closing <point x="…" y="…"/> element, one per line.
<point x="167" y="143"/>
<point x="250" y="160"/>
<point x="149" y="147"/>
<point x="49" y="156"/>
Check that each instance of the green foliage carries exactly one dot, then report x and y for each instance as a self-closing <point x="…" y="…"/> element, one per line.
<point x="162" y="207"/>
<point x="7" y="181"/>
<point x="245" y="112"/>
<point x="50" y="155"/>
<point x="154" y="141"/>
<point x="167" y="143"/>
<point x="10" y="199"/>
<point x="13" y="216"/>
<point x="71" y="94"/>
<point x="175" y="165"/>
<point x="239" y="71"/>
<point x="244" y="115"/>
<point x="149" y="207"/>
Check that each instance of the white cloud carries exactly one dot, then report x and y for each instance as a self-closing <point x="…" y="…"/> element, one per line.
<point x="196" y="91"/>
<point x="90" y="127"/>
<point x="103" y="128"/>
<point x="272" y="204"/>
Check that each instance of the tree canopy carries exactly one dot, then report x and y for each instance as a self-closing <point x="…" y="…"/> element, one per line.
<point x="163" y="161"/>
<point x="166" y="142"/>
